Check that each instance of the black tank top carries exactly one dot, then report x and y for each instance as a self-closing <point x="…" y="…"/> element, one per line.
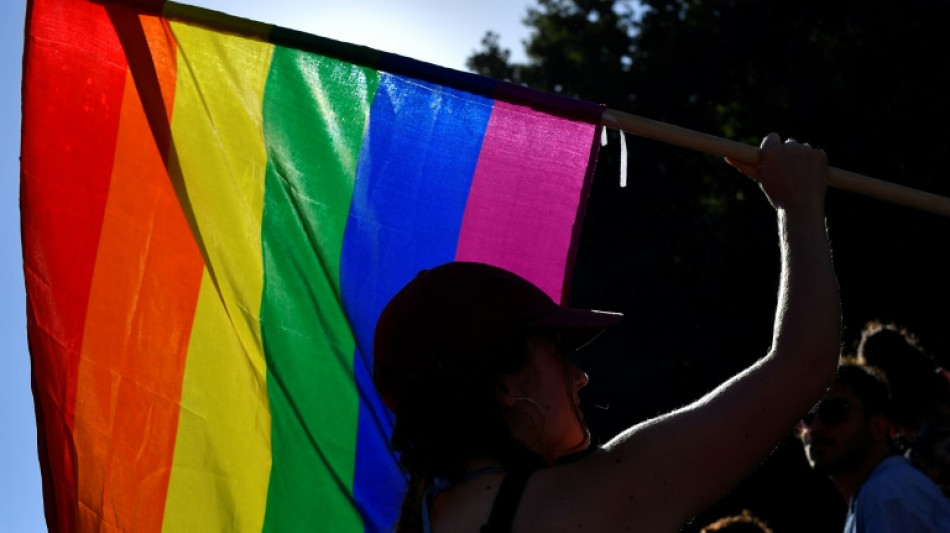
<point x="503" y="509"/>
<point x="506" y="502"/>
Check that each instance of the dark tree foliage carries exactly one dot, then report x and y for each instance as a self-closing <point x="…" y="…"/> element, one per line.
<point x="688" y="249"/>
<point x="492" y="61"/>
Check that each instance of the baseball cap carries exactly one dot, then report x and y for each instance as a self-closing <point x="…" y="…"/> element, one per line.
<point x="454" y="314"/>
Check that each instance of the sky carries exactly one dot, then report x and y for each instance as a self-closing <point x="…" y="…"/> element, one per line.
<point x="444" y="32"/>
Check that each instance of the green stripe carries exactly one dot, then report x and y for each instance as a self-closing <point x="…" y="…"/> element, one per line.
<point x="315" y="112"/>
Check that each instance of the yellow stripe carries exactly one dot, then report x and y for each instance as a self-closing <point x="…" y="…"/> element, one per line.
<point x="223" y="449"/>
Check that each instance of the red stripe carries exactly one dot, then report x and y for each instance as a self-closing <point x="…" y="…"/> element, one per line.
<point x="73" y="84"/>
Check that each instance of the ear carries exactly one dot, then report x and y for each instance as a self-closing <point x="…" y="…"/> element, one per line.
<point x="503" y="394"/>
<point x="894" y="431"/>
<point x="882" y="428"/>
<point x="507" y="389"/>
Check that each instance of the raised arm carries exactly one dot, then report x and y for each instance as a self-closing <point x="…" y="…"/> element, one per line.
<point x="657" y="475"/>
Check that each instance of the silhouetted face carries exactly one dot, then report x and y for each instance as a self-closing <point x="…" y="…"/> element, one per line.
<point x="546" y="400"/>
<point x="931" y="454"/>
<point x="837" y="433"/>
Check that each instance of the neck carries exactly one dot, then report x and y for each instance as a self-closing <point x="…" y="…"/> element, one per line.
<point x="849" y="482"/>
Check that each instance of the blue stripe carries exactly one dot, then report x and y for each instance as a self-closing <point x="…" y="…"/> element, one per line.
<point x="412" y="181"/>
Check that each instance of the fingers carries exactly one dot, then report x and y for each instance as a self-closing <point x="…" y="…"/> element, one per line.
<point x="774" y="148"/>
<point x="749" y="169"/>
<point x="792" y="174"/>
<point x="778" y="159"/>
<point x="754" y="170"/>
<point x="772" y="139"/>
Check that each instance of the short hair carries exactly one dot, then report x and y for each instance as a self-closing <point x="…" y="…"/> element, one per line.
<point x="868" y="383"/>
<point x="744" y="522"/>
<point x="912" y="373"/>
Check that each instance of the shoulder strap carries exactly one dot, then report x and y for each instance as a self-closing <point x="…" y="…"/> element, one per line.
<point x="506" y="502"/>
<point x="440" y="483"/>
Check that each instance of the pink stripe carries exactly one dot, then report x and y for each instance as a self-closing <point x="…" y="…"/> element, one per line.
<point x="525" y="194"/>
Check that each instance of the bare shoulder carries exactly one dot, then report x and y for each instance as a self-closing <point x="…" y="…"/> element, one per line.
<point x="467" y="506"/>
<point x="578" y="497"/>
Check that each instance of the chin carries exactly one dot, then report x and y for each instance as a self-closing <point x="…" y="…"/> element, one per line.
<point x="583" y="444"/>
<point x="568" y="449"/>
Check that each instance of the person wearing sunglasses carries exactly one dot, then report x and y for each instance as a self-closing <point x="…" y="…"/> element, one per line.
<point x="847" y="436"/>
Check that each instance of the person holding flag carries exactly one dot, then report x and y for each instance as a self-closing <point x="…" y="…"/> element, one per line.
<point x="475" y="363"/>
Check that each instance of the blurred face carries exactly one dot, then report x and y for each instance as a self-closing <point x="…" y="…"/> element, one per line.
<point x="543" y="397"/>
<point x="837" y="434"/>
<point x="941" y="470"/>
<point x="931" y="454"/>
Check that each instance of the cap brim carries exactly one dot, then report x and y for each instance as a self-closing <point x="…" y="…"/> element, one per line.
<point x="579" y="327"/>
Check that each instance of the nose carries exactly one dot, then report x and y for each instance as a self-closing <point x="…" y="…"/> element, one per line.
<point x="811" y="431"/>
<point x="801" y="429"/>
<point x="581" y="379"/>
<point x="816" y="422"/>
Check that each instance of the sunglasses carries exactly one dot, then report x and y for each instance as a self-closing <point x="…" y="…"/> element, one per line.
<point x="831" y="411"/>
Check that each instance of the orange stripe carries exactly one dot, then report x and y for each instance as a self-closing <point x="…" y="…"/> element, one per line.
<point x="144" y="291"/>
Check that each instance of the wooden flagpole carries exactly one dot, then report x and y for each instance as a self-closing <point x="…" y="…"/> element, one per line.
<point x="710" y="144"/>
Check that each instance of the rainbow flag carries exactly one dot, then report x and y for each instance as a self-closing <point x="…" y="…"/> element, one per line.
<point x="214" y="211"/>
